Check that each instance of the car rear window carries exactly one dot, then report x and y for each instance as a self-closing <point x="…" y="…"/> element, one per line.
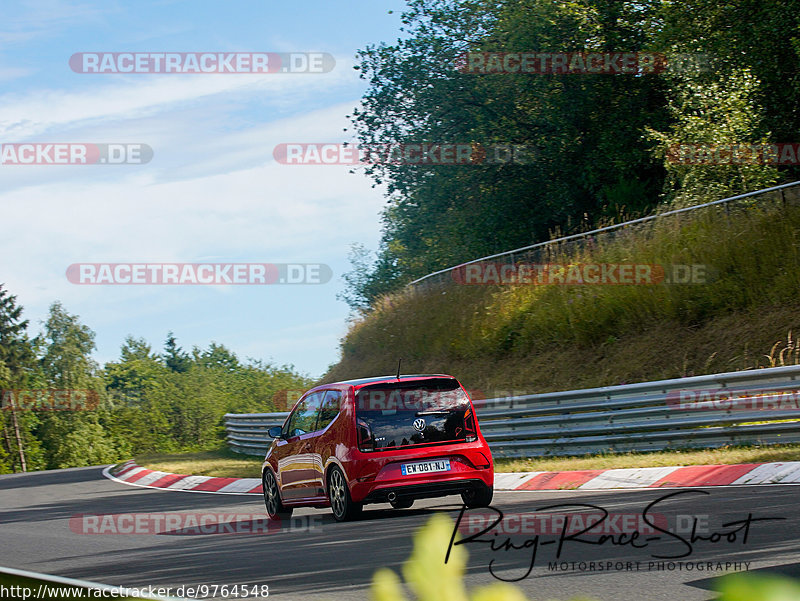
<point x="400" y="414"/>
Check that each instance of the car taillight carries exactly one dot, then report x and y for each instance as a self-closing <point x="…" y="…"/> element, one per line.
<point x="366" y="442"/>
<point x="469" y="426"/>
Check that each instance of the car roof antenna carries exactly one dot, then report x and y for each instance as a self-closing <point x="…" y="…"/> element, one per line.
<point x="399" y="361"/>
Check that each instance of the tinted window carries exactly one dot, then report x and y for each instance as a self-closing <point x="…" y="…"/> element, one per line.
<point x="329" y="409"/>
<point x="304" y="416"/>
<point x="407" y="413"/>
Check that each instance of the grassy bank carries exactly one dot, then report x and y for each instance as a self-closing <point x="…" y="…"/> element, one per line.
<point x="560" y="337"/>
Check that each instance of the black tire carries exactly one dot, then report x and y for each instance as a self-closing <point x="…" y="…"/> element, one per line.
<point x="276" y="510"/>
<point x="342" y="505"/>
<point x="478" y="497"/>
<point x="401" y="503"/>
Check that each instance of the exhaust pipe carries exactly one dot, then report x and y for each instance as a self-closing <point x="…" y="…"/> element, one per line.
<point x="392" y="496"/>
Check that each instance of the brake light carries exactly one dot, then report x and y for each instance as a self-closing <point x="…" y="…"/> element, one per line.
<point x="469" y="426"/>
<point x="366" y="442"/>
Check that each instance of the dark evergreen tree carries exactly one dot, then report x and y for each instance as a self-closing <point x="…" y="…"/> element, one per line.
<point x="16" y="357"/>
<point x="174" y="357"/>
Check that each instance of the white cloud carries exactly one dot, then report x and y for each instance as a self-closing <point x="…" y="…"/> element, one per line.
<point x="34" y="19"/>
<point x="133" y="97"/>
<point x="212" y="193"/>
<point x="233" y="204"/>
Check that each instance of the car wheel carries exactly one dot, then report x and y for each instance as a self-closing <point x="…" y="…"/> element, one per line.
<point x="401" y="503"/>
<point x="272" y="498"/>
<point x="342" y="504"/>
<point x="478" y="497"/>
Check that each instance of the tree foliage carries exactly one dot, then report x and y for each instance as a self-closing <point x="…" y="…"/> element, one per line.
<point x="598" y="140"/>
<point x="148" y="401"/>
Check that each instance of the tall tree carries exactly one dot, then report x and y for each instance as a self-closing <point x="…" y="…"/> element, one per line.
<point x="16" y="356"/>
<point x="587" y="157"/>
<point x="136" y="384"/>
<point x="72" y="438"/>
<point x="68" y="345"/>
<point x="598" y="141"/>
<point x="174" y="357"/>
<point x="217" y="356"/>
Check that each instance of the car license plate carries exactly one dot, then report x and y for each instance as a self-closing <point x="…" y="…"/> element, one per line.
<point x="425" y="467"/>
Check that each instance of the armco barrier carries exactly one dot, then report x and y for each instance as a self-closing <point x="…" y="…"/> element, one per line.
<point x="745" y="407"/>
<point x="247" y="432"/>
<point x="549" y="251"/>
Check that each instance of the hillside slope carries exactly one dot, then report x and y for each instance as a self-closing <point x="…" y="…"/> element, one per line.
<point x="538" y="338"/>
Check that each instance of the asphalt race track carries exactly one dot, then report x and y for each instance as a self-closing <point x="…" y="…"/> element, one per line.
<point x="314" y="557"/>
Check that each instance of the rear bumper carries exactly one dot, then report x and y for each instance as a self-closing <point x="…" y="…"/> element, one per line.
<point x="372" y="476"/>
<point x="423" y="491"/>
<point x="462" y="476"/>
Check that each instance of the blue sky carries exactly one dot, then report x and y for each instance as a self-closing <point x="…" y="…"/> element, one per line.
<point x="212" y="192"/>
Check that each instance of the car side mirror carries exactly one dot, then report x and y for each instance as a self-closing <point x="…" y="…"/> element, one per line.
<point x="275" y="432"/>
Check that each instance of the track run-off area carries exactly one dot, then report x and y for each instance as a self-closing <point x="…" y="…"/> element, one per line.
<point x="653" y="543"/>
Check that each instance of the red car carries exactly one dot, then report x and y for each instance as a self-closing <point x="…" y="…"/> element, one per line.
<point x="377" y="440"/>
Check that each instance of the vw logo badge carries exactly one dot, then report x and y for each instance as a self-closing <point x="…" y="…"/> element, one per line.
<point x="419" y="424"/>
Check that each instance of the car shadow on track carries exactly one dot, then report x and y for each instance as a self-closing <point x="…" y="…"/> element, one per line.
<point x="240" y="523"/>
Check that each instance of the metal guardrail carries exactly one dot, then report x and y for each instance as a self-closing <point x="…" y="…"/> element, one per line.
<point x="247" y="432"/>
<point x="647" y="416"/>
<point x="540" y="252"/>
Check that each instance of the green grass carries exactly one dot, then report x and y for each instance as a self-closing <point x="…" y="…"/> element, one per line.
<point x="220" y="463"/>
<point x="226" y="464"/>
